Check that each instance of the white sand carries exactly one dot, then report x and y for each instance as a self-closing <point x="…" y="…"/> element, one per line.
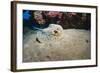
<point x="71" y="44"/>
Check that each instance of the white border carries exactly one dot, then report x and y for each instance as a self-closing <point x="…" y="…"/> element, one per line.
<point x="21" y="65"/>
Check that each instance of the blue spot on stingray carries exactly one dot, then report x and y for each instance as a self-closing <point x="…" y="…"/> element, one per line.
<point x="36" y="26"/>
<point x="26" y="15"/>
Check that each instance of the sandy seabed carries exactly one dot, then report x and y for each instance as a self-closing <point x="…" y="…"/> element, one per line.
<point x="75" y="45"/>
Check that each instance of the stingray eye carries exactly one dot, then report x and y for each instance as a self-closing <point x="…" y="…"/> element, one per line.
<point x="55" y="31"/>
<point x="57" y="28"/>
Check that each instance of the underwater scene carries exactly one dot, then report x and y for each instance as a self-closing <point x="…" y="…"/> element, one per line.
<point x="56" y="36"/>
